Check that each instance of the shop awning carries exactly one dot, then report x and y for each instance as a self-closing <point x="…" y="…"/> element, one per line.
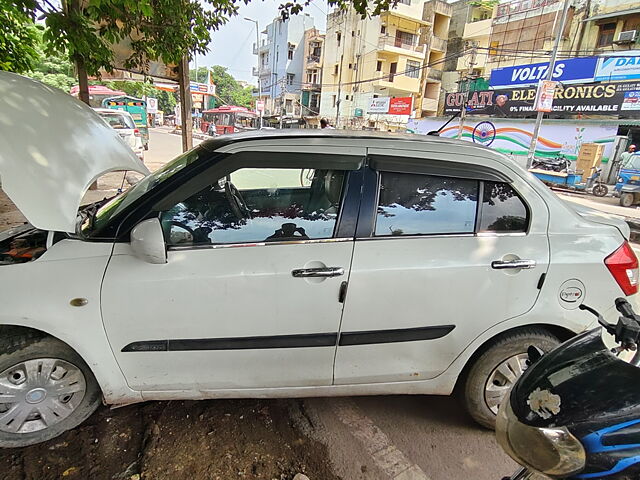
<point x="620" y="13"/>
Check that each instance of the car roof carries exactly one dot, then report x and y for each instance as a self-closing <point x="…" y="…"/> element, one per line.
<point x="327" y="134"/>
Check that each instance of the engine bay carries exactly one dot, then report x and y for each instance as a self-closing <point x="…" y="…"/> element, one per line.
<point x="23" y="247"/>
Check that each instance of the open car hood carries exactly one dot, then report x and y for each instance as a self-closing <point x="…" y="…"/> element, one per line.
<point x="52" y="147"/>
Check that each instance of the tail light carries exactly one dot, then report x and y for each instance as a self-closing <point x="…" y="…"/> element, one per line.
<point x="136" y="132"/>
<point x="623" y="265"/>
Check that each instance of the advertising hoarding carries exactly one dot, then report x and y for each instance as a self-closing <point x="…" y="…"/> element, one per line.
<point x="379" y="105"/>
<point x="615" y="68"/>
<point x="591" y="99"/>
<point x="573" y="70"/>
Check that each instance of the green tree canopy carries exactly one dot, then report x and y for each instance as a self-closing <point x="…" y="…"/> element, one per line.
<point x="165" y="30"/>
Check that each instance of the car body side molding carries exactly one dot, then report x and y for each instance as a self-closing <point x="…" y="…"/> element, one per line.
<point x="292" y="341"/>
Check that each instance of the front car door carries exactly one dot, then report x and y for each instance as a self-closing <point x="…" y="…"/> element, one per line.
<point x="433" y="263"/>
<point x="258" y="248"/>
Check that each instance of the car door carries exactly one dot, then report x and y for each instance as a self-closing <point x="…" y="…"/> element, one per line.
<point x="250" y="294"/>
<point x="446" y="247"/>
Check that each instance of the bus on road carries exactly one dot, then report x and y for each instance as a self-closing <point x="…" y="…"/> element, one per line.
<point x="228" y="119"/>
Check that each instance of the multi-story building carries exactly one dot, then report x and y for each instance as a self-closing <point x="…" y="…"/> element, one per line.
<point x="383" y="56"/>
<point x="612" y="25"/>
<point x="312" y="80"/>
<point x="281" y="67"/>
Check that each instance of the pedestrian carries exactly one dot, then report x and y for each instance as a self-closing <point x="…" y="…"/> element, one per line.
<point x="628" y="156"/>
<point x="324" y="123"/>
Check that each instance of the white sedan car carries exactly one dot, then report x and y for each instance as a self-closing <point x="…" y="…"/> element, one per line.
<point x="282" y="264"/>
<point x="123" y="123"/>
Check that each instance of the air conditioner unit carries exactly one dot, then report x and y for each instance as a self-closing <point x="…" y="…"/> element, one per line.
<point x="627" y="37"/>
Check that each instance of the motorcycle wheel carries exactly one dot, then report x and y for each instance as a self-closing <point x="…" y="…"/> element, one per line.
<point x="626" y="199"/>
<point x="600" y="190"/>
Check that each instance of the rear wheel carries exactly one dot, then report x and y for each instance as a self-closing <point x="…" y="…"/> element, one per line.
<point x="626" y="199"/>
<point x="497" y="369"/>
<point x="600" y="190"/>
<point x="45" y="389"/>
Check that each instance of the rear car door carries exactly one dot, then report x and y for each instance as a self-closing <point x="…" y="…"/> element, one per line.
<point x="445" y="249"/>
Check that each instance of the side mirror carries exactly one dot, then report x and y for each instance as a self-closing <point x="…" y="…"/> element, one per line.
<point x="147" y="241"/>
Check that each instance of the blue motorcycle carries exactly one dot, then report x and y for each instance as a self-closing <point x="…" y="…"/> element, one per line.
<point x="575" y="412"/>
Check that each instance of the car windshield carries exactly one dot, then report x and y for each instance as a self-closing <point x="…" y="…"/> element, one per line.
<point x="120" y="202"/>
<point x="118" y="120"/>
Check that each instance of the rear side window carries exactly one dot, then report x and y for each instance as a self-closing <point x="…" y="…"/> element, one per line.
<point x="413" y="204"/>
<point x="502" y="209"/>
<point x="418" y="204"/>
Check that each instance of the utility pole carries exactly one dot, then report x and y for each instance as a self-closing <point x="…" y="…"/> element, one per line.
<point x="463" y="112"/>
<point x="552" y="64"/>
<point x="343" y="39"/>
<point x="259" y="64"/>
<point x="185" y="104"/>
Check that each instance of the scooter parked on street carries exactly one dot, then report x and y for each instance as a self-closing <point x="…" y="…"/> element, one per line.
<point x="575" y="412"/>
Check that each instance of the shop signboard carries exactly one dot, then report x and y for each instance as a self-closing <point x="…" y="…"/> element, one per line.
<point x="572" y="70"/>
<point x="379" y="105"/>
<point x="590" y="99"/>
<point x="152" y="105"/>
<point x="203" y="88"/>
<point x="400" y="106"/>
<point x="619" y="67"/>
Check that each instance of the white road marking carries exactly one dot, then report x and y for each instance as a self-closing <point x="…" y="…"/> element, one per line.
<point x="383" y="452"/>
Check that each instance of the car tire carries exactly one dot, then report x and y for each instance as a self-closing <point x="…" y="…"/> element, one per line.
<point x="501" y="355"/>
<point x="626" y="199"/>
<point x="66" y="371"/>
<point x="600" y="190"/>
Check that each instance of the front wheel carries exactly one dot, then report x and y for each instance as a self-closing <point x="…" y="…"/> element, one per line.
<point x="600" y="190"/>
<point x="497" y="369"/>
<point x="45" y="390"/>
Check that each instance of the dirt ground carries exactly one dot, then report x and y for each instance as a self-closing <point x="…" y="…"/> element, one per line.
<point x="208" y="440"/>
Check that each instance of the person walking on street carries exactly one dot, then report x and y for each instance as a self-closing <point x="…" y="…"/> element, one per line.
<point x="629" y="158"/>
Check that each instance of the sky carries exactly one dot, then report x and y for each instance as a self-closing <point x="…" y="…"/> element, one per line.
<point x="231" y="46"/>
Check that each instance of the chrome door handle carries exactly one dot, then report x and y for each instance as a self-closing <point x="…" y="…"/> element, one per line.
<point x="324" y="272"/>
<point x="504" y="264"/>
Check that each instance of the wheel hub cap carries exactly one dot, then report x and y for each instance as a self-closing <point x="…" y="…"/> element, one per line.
<point x="36" y="394"/>
<point x="502" y="379"/>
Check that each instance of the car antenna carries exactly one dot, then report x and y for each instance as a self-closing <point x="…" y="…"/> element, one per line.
<point x="436" y="133"/>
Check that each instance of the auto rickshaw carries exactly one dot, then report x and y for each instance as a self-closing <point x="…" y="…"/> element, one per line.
<point x="628" y="187"/>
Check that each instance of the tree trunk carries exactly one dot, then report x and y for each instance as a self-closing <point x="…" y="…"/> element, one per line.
<point x="185" y="104"/>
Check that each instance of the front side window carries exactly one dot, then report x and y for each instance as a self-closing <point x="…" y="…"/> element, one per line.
<point x="413" y="69"/>
<point x="414" y="204"/>
<point x="258" y="205"/>
<point x="502" y="209"/>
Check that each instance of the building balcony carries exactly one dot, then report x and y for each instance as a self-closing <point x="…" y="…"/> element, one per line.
<point x="430" y="104"/>
<point x="438" y="7"/>
<point x="479" y="29"/>
<point x="255" y="72"/>
<point x="438" y="44"/>
<point x="395" y="46"/>
<point x="398" y="83"/>
<point x="311" y="86"/>
<point x="314" y="61"/>
<point x="434" y="74"/>
<point x="264" y="47"/>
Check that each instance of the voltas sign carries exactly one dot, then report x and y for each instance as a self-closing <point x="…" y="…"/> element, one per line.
<point x="625" y="67"/>
<point x="573" y="70"/>
<point x="593" y="99"/>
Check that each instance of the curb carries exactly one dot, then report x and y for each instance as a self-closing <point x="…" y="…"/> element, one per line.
<point x="199" y="136"/>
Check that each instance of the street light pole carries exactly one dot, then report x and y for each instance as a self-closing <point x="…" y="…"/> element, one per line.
<point x="552" y="64"/>
<point x="259" y="65"/>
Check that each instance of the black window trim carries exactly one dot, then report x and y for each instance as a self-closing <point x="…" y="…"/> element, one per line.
<point x="365" y="230"/>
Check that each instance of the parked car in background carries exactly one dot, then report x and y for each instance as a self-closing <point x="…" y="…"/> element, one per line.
<point x="279" y="264"/>
<point x="123" y="123"/>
